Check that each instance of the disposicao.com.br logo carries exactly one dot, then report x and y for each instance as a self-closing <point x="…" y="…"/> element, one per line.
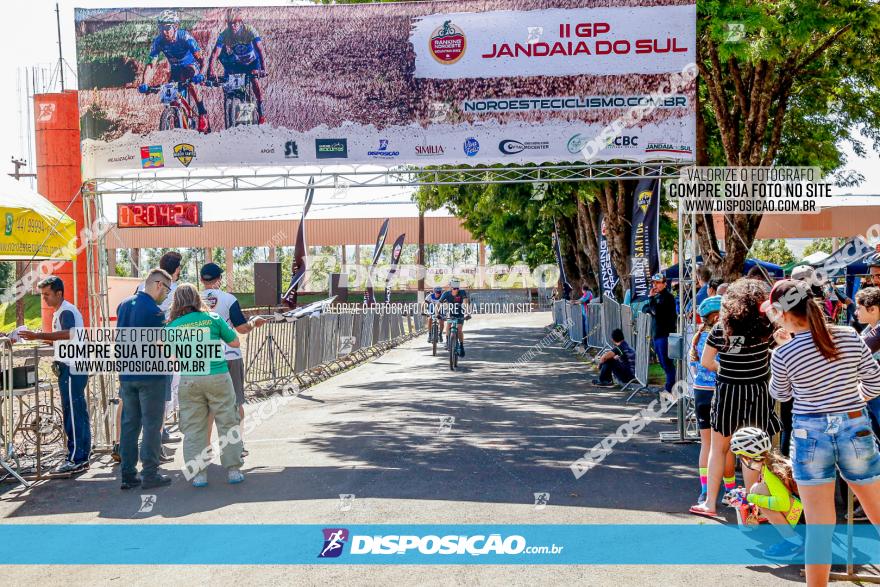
<point x="403" y="544"/>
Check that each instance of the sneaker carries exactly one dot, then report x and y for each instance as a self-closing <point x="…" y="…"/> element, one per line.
<point x="785" y="550"/>
<point x="130" y="483"/>
<point x="858" y="514"/>
<point x="600" y="383"/>
<point x="234" y="475"/>
<point x="164" y="458"/>
<point x="203" y="123"/>
<point x="69" y="468"/>
<point x="200" y="480"/>
<point x="156" y="481"/>
<point x="732" y="497"/>
<point x="461" y="351"/>
<point x="167" y="438"/>
<point x="114" y="454"/>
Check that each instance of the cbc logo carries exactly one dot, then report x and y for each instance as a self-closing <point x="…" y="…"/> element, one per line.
<point x="623" y="142"/>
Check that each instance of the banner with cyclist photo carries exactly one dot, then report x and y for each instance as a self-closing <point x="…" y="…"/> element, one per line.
<point x="418" y="83"/>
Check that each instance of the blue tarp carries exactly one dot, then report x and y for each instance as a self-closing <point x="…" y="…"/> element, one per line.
<point x="772" y="269"/>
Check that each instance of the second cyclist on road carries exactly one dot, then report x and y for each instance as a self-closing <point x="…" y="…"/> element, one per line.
<point x="454" y="304"/>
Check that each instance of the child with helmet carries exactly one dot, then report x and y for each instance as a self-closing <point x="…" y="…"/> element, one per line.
<point x="775" y="493"/>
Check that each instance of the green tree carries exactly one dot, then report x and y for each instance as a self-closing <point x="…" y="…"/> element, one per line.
<point x="818" y="245"/>
<point x="772" y="250"/>
<point x="786" y="93"/>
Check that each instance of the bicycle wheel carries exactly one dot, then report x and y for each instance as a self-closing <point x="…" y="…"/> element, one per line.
<point x="169" y="119"/>
<point x="453" y="355"/>
<point x="434" y="334"/>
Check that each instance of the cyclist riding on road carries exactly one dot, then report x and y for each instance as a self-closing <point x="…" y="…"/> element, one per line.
<point x="240" y="49"/>
<point x="433" y="302"/>
<point x="184" y="57"/>
<point x="454" y="303"/>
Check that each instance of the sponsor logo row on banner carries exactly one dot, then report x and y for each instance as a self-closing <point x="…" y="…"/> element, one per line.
<point x="632" y="145"/>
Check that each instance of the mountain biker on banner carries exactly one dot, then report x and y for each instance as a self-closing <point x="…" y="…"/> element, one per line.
<point x="454" y="303"/>
<point x="432" y="300"/>
<point x="184" y="57"/>
<point x="240" y="50"/>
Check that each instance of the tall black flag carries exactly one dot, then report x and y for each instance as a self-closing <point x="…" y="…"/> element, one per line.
<point x="396" y="250"/>
<point x="609" y="278"/>
<point x="369" y="297"/>
<point x="645" y="241"/>
<point x="298" y="268"/>
<point x="566" y="286"/>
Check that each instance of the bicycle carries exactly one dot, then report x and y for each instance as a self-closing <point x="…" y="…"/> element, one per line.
<point x="239" y="104"/>
<point x="178" y="112"/>
<point x="435" y="330"/>
<point x="454" y="349"/>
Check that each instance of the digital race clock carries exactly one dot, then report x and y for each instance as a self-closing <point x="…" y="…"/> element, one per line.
<point x="158" y="215"/>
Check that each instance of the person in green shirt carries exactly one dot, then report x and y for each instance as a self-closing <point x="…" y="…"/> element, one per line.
<point x="203" y="394"/>
<point x="775" y="493"/>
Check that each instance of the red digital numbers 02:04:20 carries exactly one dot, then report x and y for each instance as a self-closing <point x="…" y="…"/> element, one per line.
<point x="159" y="215"/>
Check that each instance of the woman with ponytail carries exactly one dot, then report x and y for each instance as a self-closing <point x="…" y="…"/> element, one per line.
<point x="830" y="373"/>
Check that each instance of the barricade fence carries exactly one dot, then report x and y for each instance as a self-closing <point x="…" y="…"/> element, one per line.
<point x="591" y="326"/>
<point x="315" y="347"/>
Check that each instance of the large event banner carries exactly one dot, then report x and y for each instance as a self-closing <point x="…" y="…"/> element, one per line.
<point x="419" y="83"/>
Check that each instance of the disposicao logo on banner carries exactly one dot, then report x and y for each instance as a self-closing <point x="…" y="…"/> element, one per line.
<point x="185" y="153"/>
<point x="383" y="152"/>
<point x="152" y="157"/>
<point x="471" y="146"/>
<point x="447" y="43"/>
<point x="334" y="540"/>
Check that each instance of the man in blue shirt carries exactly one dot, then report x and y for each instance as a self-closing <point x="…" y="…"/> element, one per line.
<point x="72" y="387"/>
<point x="620" y="362"/>
<point x="143" y="394"/>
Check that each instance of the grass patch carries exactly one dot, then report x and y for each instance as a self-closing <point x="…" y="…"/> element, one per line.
<point x="32" y="317"/>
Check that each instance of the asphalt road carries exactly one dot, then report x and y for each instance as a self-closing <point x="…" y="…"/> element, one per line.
<point x="377" y="432"/>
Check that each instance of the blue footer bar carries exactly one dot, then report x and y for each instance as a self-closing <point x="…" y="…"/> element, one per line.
<point x="661" y="544"/>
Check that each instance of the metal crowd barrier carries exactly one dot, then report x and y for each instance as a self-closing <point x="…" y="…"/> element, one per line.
<point x="610" y="320"/>
<point x="642" y="337"/>
<point x="627" y="325"/>
<point x="595" y="335"/>
<point x="575" y="325"/>
<point x="313" y="347"/>
<point x="558" y="311"/>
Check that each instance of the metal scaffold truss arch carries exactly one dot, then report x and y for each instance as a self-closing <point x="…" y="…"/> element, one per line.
<point x="159" y="183"/>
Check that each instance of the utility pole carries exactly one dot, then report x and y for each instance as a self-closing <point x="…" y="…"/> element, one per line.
<point x="17" y="174"/>
<point x="19" y="265"/>
<point x="60" y="57"/>
<point x="421" y="260"/>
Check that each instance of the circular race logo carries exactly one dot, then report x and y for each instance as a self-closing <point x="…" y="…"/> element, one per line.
<point x="471" y="146"/>
<point x="511" y="147"/>
<point x="447" y="43"/>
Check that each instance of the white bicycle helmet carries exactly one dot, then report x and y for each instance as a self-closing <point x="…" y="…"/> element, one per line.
<point x="750" y="442"/>
<point x="168" y="17"/>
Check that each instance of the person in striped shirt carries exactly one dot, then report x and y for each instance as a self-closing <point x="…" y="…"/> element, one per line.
<point x="830" y="373"/>
<point x="738" y="351"/>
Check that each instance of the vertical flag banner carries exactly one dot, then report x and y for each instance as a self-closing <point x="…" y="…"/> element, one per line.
<point x="645" y="238"/>
<point x="609" y="277"/>
<point x="558" y="251"/>
<point x="369" y="297"/>
<point x="298" y="268"/>
<point x="396" y="250"/>
<point x="392" y="83"/>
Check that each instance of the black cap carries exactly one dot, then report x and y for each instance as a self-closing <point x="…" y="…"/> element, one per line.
<point x="210" y="271"/>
